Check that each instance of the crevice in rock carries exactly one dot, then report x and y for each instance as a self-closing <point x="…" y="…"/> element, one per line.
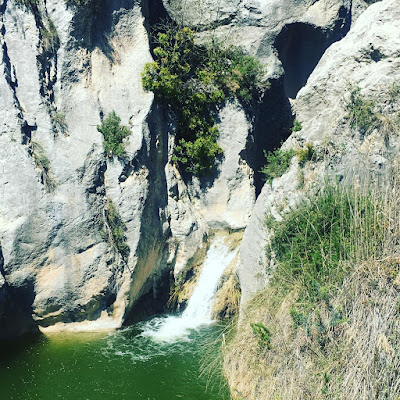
<point x="151" y="250"/>
<point x="47" y="58"/>
<point x="27" y="130"/>
<point x="15" y="307"/>
<point x="154" y="300"/>
<point x="300" y="47"/>
<point x="3" y="7"/>
<point x="156" y="20"/>
<point x="27" y="127"/>
<point x="272" y="120"/>
<point x="129" y="168"/>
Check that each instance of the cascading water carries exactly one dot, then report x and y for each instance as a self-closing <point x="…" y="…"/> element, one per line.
<point x="199" y="309"/>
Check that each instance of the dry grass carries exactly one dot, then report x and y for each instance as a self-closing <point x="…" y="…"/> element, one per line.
<point x="354" y="356"/>
<point x="348" y="347"/>
<point x="42" y="164"/>
<point x="227" y="300"/>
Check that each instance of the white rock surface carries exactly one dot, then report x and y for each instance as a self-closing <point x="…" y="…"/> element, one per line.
<point x="227" y="203"/>
<point x="51" y="241"/>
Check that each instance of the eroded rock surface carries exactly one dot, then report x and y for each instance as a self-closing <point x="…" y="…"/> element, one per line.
<point x="52" y="222"/>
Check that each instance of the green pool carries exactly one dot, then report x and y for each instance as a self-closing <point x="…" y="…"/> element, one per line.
<point x="121" y="365"/>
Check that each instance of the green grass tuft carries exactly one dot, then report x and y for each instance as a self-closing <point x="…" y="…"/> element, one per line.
<point x="305" y="155"/>
<point x="296" y="126"/>
<point x="360" y="111"/>
<point x="277" y="163"/>
<point x="116" y="229"/>
<point x="263" y="334"/>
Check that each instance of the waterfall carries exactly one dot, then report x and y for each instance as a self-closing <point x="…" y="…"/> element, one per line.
<point x="199" y="308"/>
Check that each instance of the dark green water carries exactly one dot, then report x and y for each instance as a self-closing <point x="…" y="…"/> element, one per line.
<point x="119" y="365"/>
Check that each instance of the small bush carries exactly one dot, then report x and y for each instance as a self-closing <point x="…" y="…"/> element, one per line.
<point x="114" y="134"/>
<point x="50" y="38"/>
<point x="277" y="163"/>
<point x="306" y="154"/>
<point x="116" y="230"/>
<point x="296" y="126"/>
<point x="59" y="121"/>
<point x="42" y="163"/>
<point x="394" y="91"/>
<point x="360" y="111"/>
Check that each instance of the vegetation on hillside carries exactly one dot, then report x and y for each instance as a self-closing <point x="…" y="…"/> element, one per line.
<point x="329" y="318"/>
<point x="114" y="135"/>
<point x="195" y="80"/>
<point x="114" y="230"/>
<point x="306" y="154"/>
<point x="296" y="126"/>
<point x="276" y="163"/>
<point x="42" y="164"/>
<point x="360" y="111"/>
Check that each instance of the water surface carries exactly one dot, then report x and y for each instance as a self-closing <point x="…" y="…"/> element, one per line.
<point x="126" y="364"/>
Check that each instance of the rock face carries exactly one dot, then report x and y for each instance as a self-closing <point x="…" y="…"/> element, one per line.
<point x="368" y="58"/>
<point x="51" y="221"/>
<point x="62" y="73"/>
<point x="52" y="218"/>
<point x="289" y="37"/>
<point x="225" y="204"/>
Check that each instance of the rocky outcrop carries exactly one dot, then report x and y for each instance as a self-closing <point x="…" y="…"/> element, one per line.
<point x="289" y="38"/>
<point x="368" y="58"/>
<point x="256" y="25"/>
<point x="224" y="202"/>
<point x="349" y="113"/>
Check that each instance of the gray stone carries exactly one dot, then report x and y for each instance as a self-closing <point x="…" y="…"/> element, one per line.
<point x="227" y="203"/>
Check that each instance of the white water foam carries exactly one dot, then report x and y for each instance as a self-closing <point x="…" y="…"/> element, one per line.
<point x="199" y="309"/>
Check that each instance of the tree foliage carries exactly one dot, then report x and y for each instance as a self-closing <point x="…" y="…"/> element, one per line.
<point x="114" y="134"/>
<point x="195" y="80"/>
